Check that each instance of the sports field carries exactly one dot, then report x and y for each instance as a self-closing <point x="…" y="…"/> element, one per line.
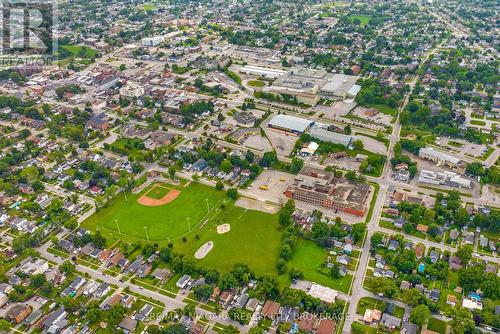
<point x="253" y="239"/>
<point x="158" y="192"/>
<point x="126" y="219"/>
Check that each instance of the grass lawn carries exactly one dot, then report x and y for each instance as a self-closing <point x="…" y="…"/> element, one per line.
<point x="256" y="83"/>
<point x="158" y="192"/>
<point x="365" y="19"/>
<point x="436" y="325"/>
<point x="162" y="222"/>
<point x="76" y="51"/>
<point x="254" y="238"/>
<point x="309" y="257"/>
<point x="477" y="122"/>
<point x="147" y="7"/>
<point x="370" y="303"/>
<point x="385" y="109"/>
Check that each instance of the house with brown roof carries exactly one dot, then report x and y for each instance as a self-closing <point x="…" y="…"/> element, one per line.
<point x="419" y="251"/>
<point x="18" y="312"/>
<point x="372" y="316"/>
<point x="306" y="322"/>
<point x="271" y="309"/>
<point x="451" y="300"/>
<point x="326" y="326"/>
<point x="422" y="228"/>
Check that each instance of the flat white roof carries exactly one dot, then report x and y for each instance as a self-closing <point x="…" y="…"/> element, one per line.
<point x="439" y="155"/>
<point x="290" y="122"/>
<point x="322" y="292"/>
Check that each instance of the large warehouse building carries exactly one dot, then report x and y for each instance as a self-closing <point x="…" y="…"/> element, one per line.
<point x="331" y="137"/>
<point x="324" y="190"/>
<point x="442" y="159"/>
<point x="309" y="85"/>
<point x="291" y="124"/>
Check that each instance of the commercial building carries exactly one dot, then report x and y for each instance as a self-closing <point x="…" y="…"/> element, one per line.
<point x="331" y="137"/>
<point x="267" y="73"/>
<point x="444" y="178"/>
<point x="152" y="41"/>
<point x="340" y="86"/>
<point x="301" y="83"/>
<point x="442" y="159"/>
<point x="324" y="190"/>
<point x="308" y="85"/>
<point x="244" y="117"/>
<point x="291" y="124"/>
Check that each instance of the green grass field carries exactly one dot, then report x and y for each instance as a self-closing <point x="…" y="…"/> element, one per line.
<point x="436" y="325"/>
<point x="158" y="192"/>
<point x="254" y="238"/>
<point x="308" y="257"/>
<point x="477" y="122"/>
<point x="147" y="7"/>
<point x="385" y="109"/>
<point x="256" y="83"/>
<point x="79" y="51"/>
<point x="162" y="222"/>
<point x="364" y="19"/>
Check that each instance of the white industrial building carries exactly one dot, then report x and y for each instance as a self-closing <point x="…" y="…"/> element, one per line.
<point x="331" y="137"/>
<point x="289" y="123"/>
<point x="152" y="41"/>
<point x="267" y="73"/>
<point x="441" y="158"/>
<point x="444" y="178"/>
<point x="309" y="85"/>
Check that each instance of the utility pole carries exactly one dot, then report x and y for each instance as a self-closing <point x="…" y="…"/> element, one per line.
<point x="118" y="227"/>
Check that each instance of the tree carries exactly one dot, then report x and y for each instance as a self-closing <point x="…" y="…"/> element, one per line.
<point x="376" y="239"/>
<point x="203" y="292"/>
<point x="269" y="287"/>
<point x="347" y="129"/>
<point x="358" y="231"/>
<point x="384" y="285"/>
<point x="175" y="329"/>
<point x="335" y="271"/>
<point x="239" y="315"/>
<point x="38" y="280"/>
<point x="413" y="170"/>
<point x="420" y="314"/>
<point x="4" y="325"/>
<point x="232" y="193"/>
<point x="464" y="253"/>
<point x="358" y="145"/>
<point x="98" y="240"/>
<point x="219" y="185"/>
<point x="256" y="330"/>
<point x="227" y="282"/>
<point x="67" y="267"/>
<point x="230" y="330"/>
<point x="411" y="296"/>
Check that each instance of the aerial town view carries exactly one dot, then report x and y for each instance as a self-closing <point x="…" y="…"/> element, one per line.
<point x="250" y="166"/>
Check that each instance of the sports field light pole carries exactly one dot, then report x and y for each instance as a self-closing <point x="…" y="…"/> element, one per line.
<point x="189" y="223"/>
<point x="146" y="230"/>
<point x="206" y="200"/>
<point x="118" y="227"/>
